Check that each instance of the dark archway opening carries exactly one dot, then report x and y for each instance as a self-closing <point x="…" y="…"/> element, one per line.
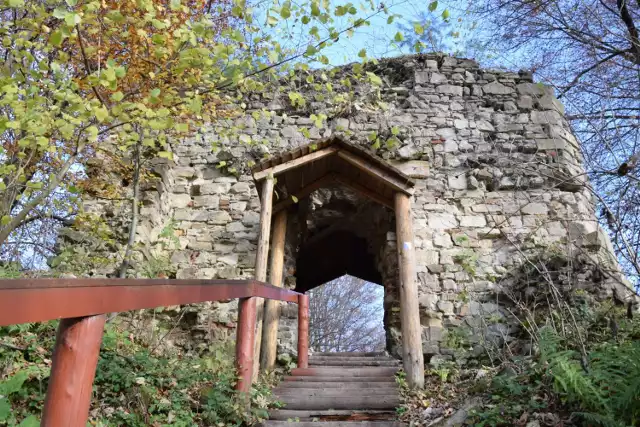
<point x="334" y="255"/>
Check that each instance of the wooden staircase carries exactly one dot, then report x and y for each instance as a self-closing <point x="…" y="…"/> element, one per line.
<point x="339" y="390"/>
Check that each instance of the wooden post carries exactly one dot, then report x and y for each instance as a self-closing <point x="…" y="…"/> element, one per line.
<point x="245" y="335"/>
<point x="74" y="367"/>
<point x="303" y="331"/>
<point x="261" y="262"/>
<point x="272" y="307"/>
<point x="412" y="356"/>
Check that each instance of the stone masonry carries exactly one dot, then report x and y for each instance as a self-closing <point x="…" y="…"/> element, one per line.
<point x="499" y="177"/>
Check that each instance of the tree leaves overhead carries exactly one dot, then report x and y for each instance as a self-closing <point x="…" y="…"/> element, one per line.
<point x="88" y="77"/>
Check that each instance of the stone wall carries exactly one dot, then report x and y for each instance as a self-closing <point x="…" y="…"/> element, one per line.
<point x="499" y="177"/>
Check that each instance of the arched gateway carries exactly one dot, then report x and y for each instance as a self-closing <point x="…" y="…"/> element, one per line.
<point x="299" y="173"/>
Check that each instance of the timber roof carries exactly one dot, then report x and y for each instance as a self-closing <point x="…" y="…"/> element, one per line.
<point x="307" y="168"/>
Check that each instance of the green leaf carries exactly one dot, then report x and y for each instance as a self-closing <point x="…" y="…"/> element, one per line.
<point x="5" y="409"/>
<point x="35" y="185"/>
<point x="56" y="38"/>
<point x="165" y="154"/>
<point x="419" y="29"/>
<point x="294" y="198"/>
<point x="285" y="10"/>
<point x="182" y="127"/>
<point x="362" y="53"/>
<point x="71" y="2"/>
<point x="72" y="19"/>
<point x="398" y="37"/>
<point x="16" y="3"/>
<point x="5" y="220"/>
<point x="390" y="19"/>
<point x="101" y="114"/>
<point x="374" y="79"/>
<point x="3" y="186"/>
<point x="30" y="421"/>
<point x="14" y="383"/>
<point x="433" y="6"/>
<point x="117" y="96"/>
<point x="445" y="14"/>
<point x="272" y="20"/>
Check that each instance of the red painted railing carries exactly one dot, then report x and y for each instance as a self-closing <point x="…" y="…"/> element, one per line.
<point x="81" y="304"/>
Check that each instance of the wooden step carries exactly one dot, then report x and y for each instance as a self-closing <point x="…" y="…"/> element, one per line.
<point x="331" y="415"/>
<point x="350" y="385"/>
<point x="346" y="372"/>
<point x="333" y="391"/>
<point x="352" y="358"/>
<point x="338" y="379"/>
<point x="352" y="354"/>
<point x="345" y="400"/>
<point x="347" y="363"/>
<point x="273" y="423"/>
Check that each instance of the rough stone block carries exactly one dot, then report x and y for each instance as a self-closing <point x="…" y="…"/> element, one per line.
<point x="535" y="209"/>
<point x="441" y="221"/>
<point x="214" y="188"/>
<point x="495" y="88"/>
<point x="473" y="221"/>
<point x="450" y="90"/>
<point x="220" y="217"/>
<point x="209" y="202"/>
<point x="179" y="200"/>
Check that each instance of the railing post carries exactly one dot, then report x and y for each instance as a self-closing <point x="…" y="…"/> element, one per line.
<point x="74" y="367"/>
<point x="303" y="331"/>
<point x="245" y="338"/>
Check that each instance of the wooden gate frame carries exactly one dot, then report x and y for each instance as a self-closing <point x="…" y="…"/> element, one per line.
<point x="304" y="170"/>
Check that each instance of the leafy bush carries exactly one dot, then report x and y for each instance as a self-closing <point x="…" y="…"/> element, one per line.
<point x="605" y="389"/>
<point x="133" y="387"/>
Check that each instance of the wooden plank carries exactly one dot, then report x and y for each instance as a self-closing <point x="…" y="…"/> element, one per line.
<point x="311" y="157"/>
<point x="304" y="192"/>
<point x="272" y="423"/>
<point x="261" y="263"/>
<point x="352" y="385"/>
<point x="311" y="392"/>
<point x="331" y="414"/>
<point x="38" y="300"/>
<point x="340" y="379"/>
<point x="272" y="308"/>
<point x="363" y="190"/>
<point x="303" y="331"/>
<point x="346" y="372"/>
<point x="409" y="311"/>
<point x="375" y="172"/>
<point x="346" y="401"/>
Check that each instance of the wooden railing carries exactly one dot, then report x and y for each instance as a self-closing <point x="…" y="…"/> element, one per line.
<point x="82" y="305"/>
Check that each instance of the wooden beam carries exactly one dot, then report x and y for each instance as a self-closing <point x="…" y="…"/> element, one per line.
<point x="272" y="308"/>
<point x="375" y="172"/>
<point x="304" y="192"/>
<point x="245" y="337"/>
<point x="39" y="300"/>
<point x="412" y="357"/>
<point x="75" y="358"/>
<point x="261" y="263"/>
<point x="359" y="188"/>
<point x="303" y="331"/>
<point x="311" y="157"/>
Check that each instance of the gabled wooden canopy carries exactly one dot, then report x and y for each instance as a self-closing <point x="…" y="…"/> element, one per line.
<point x="302" y="171"/>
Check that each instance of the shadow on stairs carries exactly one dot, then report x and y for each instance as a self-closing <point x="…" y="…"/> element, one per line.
<point x="339" y="390"/>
